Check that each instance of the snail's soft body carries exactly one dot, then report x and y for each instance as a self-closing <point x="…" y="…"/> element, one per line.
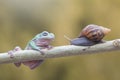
<point x="90" y="35"/>
<point x="82" y="41"/>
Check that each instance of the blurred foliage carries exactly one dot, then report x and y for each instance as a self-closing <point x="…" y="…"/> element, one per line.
<point x="20" y="20"/>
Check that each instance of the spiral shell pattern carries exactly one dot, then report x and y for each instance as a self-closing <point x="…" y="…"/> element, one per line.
<point x="94" y="32"/>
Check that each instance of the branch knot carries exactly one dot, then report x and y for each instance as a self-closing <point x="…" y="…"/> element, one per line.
<point x="116" y="43"/>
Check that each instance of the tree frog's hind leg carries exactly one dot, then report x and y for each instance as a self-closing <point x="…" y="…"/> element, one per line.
<point x="35" y="64"/>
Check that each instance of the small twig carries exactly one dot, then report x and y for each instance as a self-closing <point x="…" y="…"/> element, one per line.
<point x="60" y="51"/>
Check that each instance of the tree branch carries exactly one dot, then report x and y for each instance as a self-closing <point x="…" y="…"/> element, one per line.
<point x="60" y="51"/>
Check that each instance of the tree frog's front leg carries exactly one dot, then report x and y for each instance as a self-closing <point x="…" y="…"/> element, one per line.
<point x="34" y="46"/>
<point x="41" y="51"/>
<point x="49" y="47"/>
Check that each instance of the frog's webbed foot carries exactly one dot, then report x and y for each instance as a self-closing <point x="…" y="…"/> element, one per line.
<point x="11" y="53"/>
<point x="44" y="49"/>
<point x="42" y="52"/>
<point x="49" y="47"/>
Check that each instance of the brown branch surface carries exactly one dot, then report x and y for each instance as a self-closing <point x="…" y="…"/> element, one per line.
<point x="60" y="51"/>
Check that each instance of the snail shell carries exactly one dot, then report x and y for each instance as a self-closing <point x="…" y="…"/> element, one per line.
<point x="94" y="32"/>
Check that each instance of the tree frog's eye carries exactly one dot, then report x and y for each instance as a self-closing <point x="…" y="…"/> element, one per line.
<point x="45" y="34"/>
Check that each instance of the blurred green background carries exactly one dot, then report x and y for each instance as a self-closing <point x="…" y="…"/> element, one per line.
<point x="20" y="20"/>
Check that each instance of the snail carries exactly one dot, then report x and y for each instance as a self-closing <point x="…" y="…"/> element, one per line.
<point x="90" y="35"/>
